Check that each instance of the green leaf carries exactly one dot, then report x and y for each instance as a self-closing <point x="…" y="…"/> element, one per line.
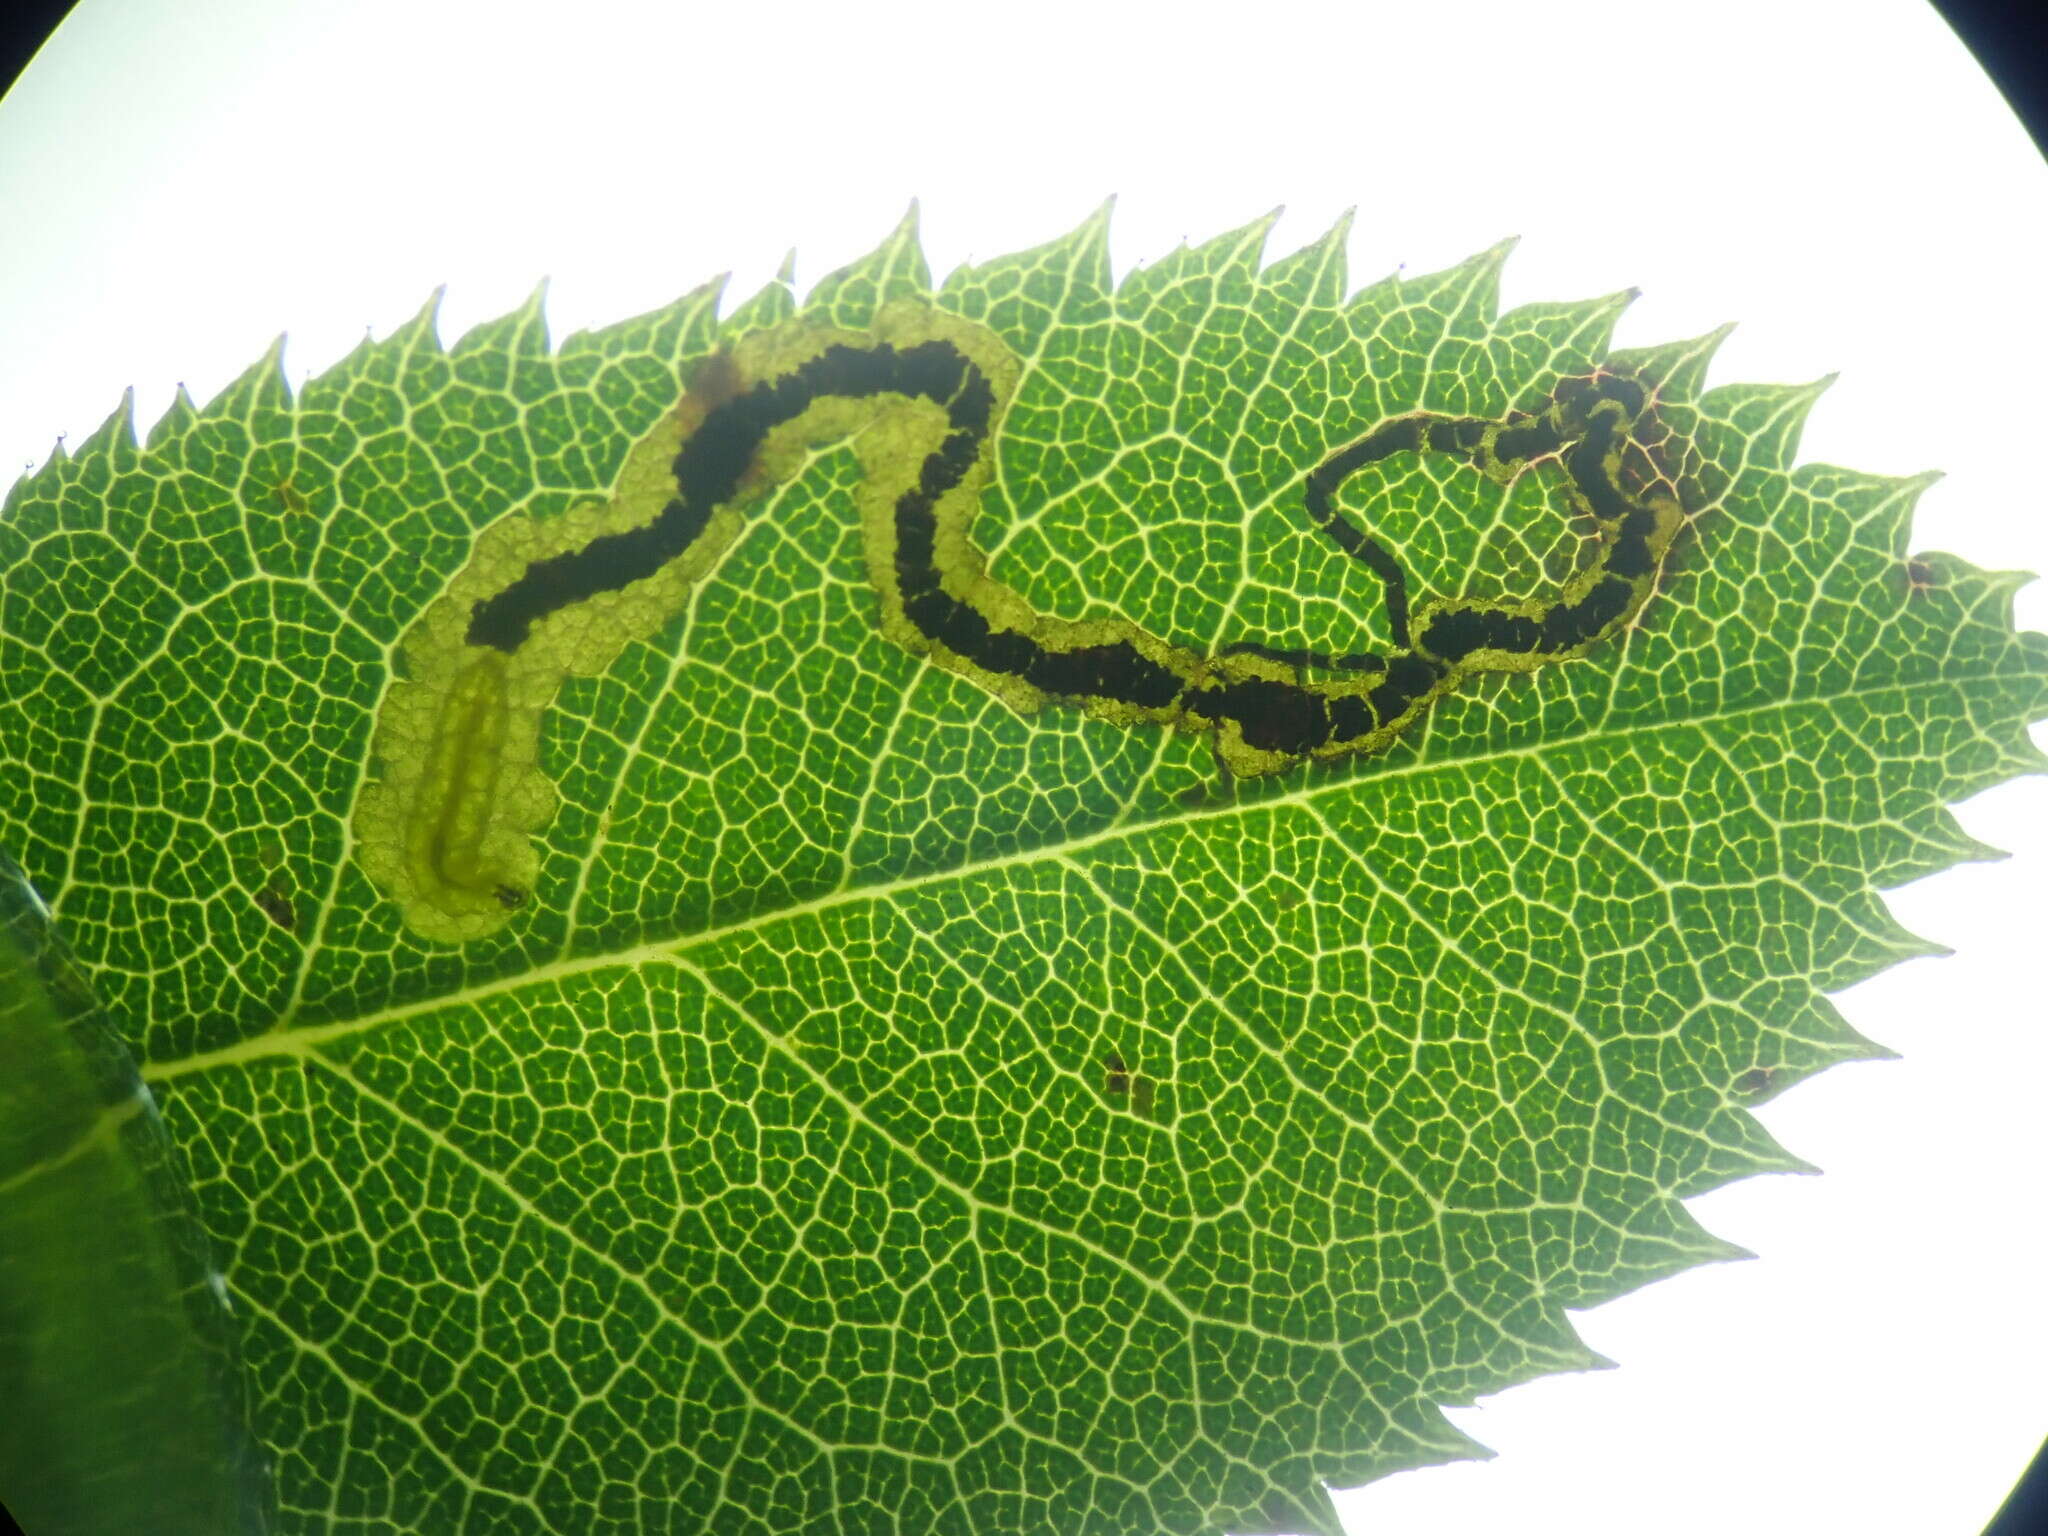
<point x="890" y="1110"/>
<point x="124" y="1401"/>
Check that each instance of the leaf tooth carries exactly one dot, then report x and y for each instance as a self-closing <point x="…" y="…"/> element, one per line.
<point x="1080" y="257"/>
<point x="905" y="250"/>
<point x="685" y="327"/>
<point x="1097" y="222"/>
<point x="1088" y="242"/>
<point x="1616" y="302"/>
<point x="35" y="477"/>
<point x="2017" y="753"/>
<point x="771" y="304"/>
<point x="1554" y="1341"/>
<point x="1881" y="942"/>
<point x="1217" y="252"/>
<point x="272" y="358"/>
<point x="1578" y="334"/>
<point x="1771" y="417"/>
<point x="517" y="335"/>
<point x="2023" y="751"/>
<point x="1897" y="498"/>
<point x="894" y="269"/>
<point x="422" y="332"/>
<point x="1764" y="1153"/>
<point x="1477" y="283"/>
<point x="1438" y="1440"/>
<point x="1825" y="1038"/>
<point x="2003" y="587"/>
<point x="117" y="432"/>
<point x="530" y="325"/>
<point x="906" y="230"/>
<point x="1677" y="370"/>
<point x="1944" y="845"/>
<point x="1664" y="1239"/>
<point x="1093" y="277"/>
<point x="174" y="423"/>
<point x="1317" y="274"/>
<point x="1711" y="1247"/>
<point x="1973" y="584"/>
<point x="1465" y="295"/>
<point x="1908" y="945"/>
<point x="1237" y="252"/>
<point x="262" y="385"/>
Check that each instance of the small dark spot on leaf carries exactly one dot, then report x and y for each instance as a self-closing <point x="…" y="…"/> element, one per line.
<point x="1141" y="1095"/>
<point x="278" y="907"/>
<point x="510" y="897"/>
<point x="1921" y="577"/>
<point x="1287" y="898"/>
<point x="1117" y="1078"/>
<point x="716" y="380"/>
<point x="293" y="499"/>
<point x="1754" y="1081"/>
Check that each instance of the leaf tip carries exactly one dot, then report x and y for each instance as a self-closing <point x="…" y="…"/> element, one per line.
<point x="1731" y="1253"/>
<point x="2026" y="757"/>
<point x="1095" y="228"/>
<point x="122" y="418"/>
<point x="1489" y="262"/>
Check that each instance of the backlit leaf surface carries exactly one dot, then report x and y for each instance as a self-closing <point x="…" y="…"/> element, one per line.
<point x="896" y="1114"/>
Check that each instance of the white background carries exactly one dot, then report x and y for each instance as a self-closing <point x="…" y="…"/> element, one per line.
<point x="180" y="179"/>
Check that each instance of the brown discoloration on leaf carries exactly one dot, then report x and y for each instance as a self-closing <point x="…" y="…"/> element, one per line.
<point x="1755" y="1081"/>
<point x="716" y="381"/>
<point x="1119" y="1081"/>
<point x="277" y="906"/>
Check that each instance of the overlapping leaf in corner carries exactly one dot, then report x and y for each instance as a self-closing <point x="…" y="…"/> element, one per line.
<point x="893" y="1112"/>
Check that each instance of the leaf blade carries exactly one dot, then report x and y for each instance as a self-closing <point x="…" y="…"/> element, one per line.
<point x="1179" y="1122"/>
